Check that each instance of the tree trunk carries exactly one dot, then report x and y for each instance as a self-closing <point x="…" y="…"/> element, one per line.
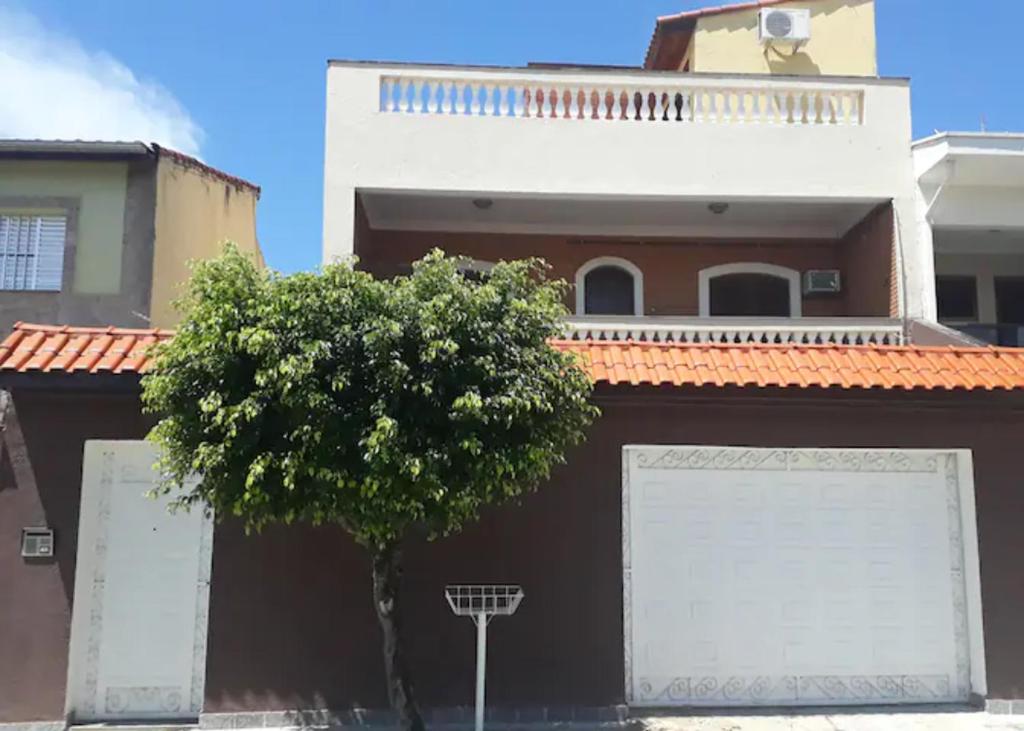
<point x="387" y="572"/>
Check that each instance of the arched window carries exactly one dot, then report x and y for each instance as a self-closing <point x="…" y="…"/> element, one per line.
<point x="609" y="286"/>
<point x="750" y="290"/>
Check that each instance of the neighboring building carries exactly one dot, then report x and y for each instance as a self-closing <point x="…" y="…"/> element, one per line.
<point x="971" y="186"/>
<point x="101" y="232"/>
<point x="724" y="40"/>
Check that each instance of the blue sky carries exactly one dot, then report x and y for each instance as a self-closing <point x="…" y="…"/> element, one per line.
<point x="243" y="81"/>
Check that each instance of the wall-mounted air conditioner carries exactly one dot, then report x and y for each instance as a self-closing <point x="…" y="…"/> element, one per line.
<point x="785" y="26"/>
<point x="822" y="281"/>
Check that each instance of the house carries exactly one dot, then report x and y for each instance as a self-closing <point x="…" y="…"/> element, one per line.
<point x="802" y="491"/>
<point x="970" y="185"/>
<point x="100" y="233"/>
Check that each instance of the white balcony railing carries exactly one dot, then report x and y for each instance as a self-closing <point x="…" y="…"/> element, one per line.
<point x="739" y="330"/>
<point x="660" y="100"/>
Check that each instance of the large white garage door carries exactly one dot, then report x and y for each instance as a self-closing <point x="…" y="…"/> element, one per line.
<point x="799" y="577"/>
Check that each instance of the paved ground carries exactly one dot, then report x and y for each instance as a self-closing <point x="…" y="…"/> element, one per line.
<point x="842" y="722"/>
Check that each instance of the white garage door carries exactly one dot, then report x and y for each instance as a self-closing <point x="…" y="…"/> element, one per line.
<point x="799" y="577"/>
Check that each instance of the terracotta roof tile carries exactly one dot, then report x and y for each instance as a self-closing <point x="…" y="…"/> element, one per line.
<point x="884" y="367"/>
<point x="63" y="349"/>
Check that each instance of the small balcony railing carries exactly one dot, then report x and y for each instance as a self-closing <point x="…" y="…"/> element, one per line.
<point x="739" y="330"/>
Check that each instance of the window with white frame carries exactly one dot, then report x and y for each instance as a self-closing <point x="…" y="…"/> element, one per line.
<point x="609" y="285"/>
<point x="750" y="290"/>
<point x="32" y="251"/>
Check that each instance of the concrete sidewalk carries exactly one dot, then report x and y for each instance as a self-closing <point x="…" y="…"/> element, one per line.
<point x="840" y="722"/>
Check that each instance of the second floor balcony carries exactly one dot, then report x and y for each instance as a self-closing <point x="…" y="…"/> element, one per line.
<point x="595" y="152"/>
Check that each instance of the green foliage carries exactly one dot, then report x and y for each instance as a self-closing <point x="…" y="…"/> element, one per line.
<point x="378" y="405"/>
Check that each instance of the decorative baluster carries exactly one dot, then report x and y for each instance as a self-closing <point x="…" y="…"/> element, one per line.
<point x="423" y="97"/>
<point x="402" y="87"/>
<point x="431" y="102"/>
<point x="625" y="101"/>
<point x="492" y="103"/>
<point x="396" y="95"/>
<point x="608" y="103"/>
<point x="581" y="104"/>
<point x="527" y="101"/>
<point x="553" y="103"/>
<point x="595" y="104"/>
<point x="567" y="103"/>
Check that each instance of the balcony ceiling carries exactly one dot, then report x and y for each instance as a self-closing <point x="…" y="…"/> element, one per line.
<point x="606" y="216"/>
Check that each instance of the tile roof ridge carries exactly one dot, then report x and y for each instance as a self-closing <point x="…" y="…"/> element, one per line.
<point x="31" y="327"/>
<point x="863" y="347"/>
<point x="189" y="161"/>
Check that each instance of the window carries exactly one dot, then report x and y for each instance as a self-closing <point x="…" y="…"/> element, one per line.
<point x="750" y="290"/>
<point x="32" y="252"/>
<point x="609" y="286"/>
<point x="957" y="298"/>
<point x="1010" y="300"/>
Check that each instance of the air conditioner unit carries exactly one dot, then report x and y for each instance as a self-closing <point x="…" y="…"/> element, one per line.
<point x="36" y="542"/>
<point x="822" y="281"/>
<point x="786" y="26"/>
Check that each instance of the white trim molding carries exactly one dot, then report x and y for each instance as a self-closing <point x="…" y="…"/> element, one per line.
<point x="772" y="270"/>
<point x="610" y="261"/>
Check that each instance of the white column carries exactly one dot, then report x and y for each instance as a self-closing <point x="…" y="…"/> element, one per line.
<point x="481" y="667"/>
<point x="917" y="257"/>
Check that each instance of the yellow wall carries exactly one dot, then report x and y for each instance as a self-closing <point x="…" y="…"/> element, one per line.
<point x="842" y="42"/>
<point x="196" y="213"/>
<point x="100" y="189"/>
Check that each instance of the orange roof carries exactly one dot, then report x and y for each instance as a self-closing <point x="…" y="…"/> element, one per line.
<point x="667" y="58"/>
<point x="800" y="366"/>
<point x="60" y="348"/>
<point x="63" y="349"/>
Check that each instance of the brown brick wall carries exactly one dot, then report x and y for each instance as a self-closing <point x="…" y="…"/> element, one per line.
<point x="670" y="267"/>
<point x="869" y="268"/>
<point x="42" y="488"/>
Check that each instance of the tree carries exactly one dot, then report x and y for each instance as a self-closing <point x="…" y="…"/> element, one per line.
<point x="385" y="407"/>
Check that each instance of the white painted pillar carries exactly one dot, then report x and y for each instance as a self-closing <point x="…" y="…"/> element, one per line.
<point x="481" y="667"/>
<point x="916" y="257"/>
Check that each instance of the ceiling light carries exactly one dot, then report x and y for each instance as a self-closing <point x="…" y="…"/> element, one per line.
<point x="718" y="208"/>
<point x="483" y="203"/>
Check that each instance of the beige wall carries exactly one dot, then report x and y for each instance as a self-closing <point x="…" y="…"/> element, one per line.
<point x="842" y="42"/>
<point x="97" y="191"/>
<point x="196" y="212"/>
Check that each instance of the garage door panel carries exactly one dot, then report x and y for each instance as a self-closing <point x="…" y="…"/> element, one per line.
<point x="793" y="577"/>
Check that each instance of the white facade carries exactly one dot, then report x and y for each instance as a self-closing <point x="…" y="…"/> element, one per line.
<point x="792" y="149"/>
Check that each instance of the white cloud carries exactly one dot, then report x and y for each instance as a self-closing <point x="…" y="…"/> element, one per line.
<point x="53" y="88"/>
